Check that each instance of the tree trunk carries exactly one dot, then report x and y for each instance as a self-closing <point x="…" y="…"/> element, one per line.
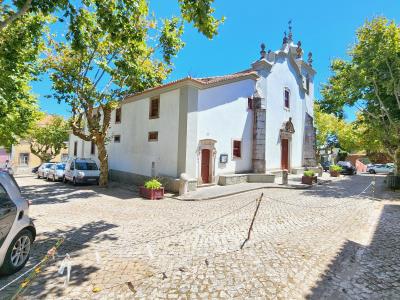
<point x="103" y="158"/>
<point x="397" y="162"/>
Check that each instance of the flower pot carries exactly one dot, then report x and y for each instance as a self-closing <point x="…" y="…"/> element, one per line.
<point x="334" y="173"/>
<point x="152" y="194"/>
<point x="308" y="180"/>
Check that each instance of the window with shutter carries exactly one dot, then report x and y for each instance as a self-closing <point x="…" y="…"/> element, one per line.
<point x="153" y="136"/>
<point x="118" y="115"/>
<point x="237" y="149"/>
<point x="287" y="97"/>
<point x="154" y="108"/>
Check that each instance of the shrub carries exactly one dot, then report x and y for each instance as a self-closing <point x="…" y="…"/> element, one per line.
<point x="152" y="184"/>
<point x="335" y="168"/>
<point x="309" y="173"/>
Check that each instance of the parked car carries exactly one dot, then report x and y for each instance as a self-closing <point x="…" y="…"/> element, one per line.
<point x="56" y="172"/>
<point x="17" y="231"/>
<point x="347" y="168"/>
<point x="381" y="168"/>
<point x="35" y="169"/>
<point x="81" y="170"/>
<point x="43" y="170"/>
<point x="326" y="165"/>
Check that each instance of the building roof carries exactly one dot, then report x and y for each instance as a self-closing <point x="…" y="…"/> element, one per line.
<point x="201" y="83"/>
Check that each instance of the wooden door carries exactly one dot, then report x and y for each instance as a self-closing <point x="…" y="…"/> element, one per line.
<point x="205" y="165"/>
<point x="285" y="154"/>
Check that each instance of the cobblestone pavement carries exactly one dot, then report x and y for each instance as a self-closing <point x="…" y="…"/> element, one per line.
<point x="321" y="243"/>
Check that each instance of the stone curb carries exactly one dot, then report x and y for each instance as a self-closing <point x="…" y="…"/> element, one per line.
<point x="288" y="187"/>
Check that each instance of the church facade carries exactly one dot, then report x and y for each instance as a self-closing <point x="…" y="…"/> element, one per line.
<point x="255" y="121"/>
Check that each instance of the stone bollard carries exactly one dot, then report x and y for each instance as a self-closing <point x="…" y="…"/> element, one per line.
<point x="285" y="174"/>
<point x="183" y="184"/>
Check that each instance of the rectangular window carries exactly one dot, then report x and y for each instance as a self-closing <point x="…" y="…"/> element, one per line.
<point x="287" y="98"/>
<point x="237" y="149"/>
<point x="154" y="108"/>
<point x="92" y="148"/>
<point x="153" y="136"/>
<point x="24" y="159"/>
<point x="307" y="85"/>
<point x="118" y="115"/>
<point x="249" y="103"/>
<point x="117" y="138"/>
<point x="75" y="148"/>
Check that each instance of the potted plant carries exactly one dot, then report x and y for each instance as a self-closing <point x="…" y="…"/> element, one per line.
<point x="334" y="170"/>
<point x="152" y="190"/>
<point x="308" y="177"/>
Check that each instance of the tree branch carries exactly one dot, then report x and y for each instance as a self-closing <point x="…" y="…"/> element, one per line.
<point x="14" y="16"/>
<point x="383" y="108"/>
<point x="395" y="89"/>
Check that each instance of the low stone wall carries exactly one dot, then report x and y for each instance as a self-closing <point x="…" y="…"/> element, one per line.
<point x="263" y="178"/>
<point x="230" y="179"/>
<point x="171" y="184"/>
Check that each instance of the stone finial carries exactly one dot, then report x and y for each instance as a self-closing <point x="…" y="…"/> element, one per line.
<point x="299" y="50"/>
<point x="285" y="39"/>
<point x="310" y="59"/>
<point x="290" y="30"/>
<point x="262" y="52"/>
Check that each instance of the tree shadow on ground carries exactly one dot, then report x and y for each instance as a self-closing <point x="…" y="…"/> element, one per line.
<point x="58" y="192"/>
<point x="75" y="240"/>
<point x="366" y="272"/>
<point x="350" y="186"/>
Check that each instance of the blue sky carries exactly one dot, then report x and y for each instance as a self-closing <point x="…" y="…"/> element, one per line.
<point x="327" y="28"/>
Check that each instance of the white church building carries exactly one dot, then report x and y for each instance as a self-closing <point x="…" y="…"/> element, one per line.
<point x="259" y="120"/>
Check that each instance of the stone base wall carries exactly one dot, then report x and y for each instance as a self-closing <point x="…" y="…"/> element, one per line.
<point x="171" y="184"/>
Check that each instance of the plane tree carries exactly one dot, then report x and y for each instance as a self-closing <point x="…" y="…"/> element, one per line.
<point x="114" y="48"/>
<point x="370" y="81"/>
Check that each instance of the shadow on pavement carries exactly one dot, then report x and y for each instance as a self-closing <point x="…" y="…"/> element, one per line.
<point x="76" y="239"/>
<point x="366" y="272"/>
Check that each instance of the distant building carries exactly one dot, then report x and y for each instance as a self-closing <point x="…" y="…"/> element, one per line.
<point x="23" y="160"/>
<point x="258" y="120"/>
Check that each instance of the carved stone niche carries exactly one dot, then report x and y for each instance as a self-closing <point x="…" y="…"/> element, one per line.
<point x="287" y="129"/>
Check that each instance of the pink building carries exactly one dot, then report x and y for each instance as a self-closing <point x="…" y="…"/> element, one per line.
<point x="3" y="156"/>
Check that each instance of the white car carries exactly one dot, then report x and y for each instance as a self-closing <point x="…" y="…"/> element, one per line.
<point x="44" y="170"/>
<point x="81" y="170"/>
<point x="56" y="172"/>
<point x="17" y="231"/>
<point x="381" y="168"/>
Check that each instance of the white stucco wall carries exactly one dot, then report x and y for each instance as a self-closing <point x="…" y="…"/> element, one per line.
<point x="135" y="153"/>
<point x="281" y="75"/>
<point x="223" y="116"/>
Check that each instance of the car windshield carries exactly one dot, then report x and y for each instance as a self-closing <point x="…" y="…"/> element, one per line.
<point x="344" y="163"/>
<point x="86" y="166"/>
<point x="61" y="167"/>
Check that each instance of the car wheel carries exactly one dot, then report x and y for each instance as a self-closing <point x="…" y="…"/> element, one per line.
<point x="18" y="253"/>
<point x="371" y="172"/>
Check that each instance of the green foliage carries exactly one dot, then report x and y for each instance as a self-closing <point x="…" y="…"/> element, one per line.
<point x="153" y="184"/>
<point x="47" y="140"/>
<point x="335" y="168"/>
<point x="309" y="173"/>
<point x="20" y="48"/>
<point x="370" y="81"/>
<point x="112" y="49"/>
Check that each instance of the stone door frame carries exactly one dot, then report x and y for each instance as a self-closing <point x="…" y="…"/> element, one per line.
<point x="210" y="145"/>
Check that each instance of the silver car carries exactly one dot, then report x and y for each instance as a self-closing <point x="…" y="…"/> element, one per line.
<point x="43" y="170"/>
<point x="17" y="231"/>
<point x="56" y="172"/>
<point x="381" y="168"/>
